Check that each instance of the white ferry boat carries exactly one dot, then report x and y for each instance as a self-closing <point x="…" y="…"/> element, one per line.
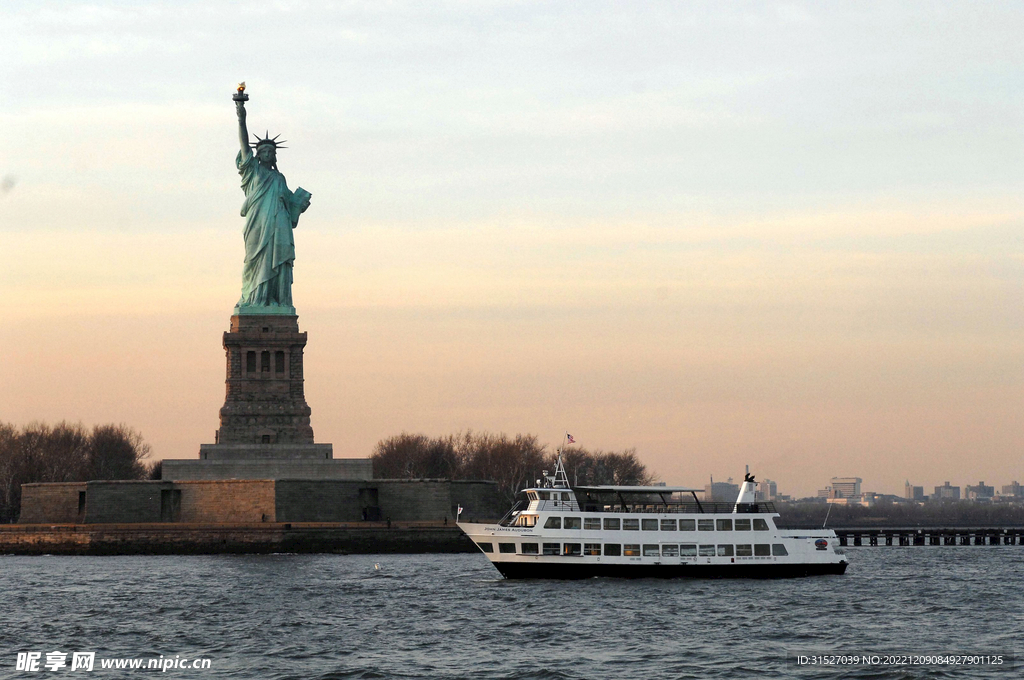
<point x="567" y="532"/>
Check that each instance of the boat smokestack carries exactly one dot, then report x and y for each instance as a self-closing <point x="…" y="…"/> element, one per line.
<point x="748" y="492"/>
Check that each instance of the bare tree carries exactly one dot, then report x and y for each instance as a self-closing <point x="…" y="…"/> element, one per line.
<point x="584" y="467"/>
<point x="116" y="452"/>
<point x="513" y="462"/>
<point x="409" y="456"/>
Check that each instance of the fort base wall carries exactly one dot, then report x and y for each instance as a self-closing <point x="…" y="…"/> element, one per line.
<point x="228" y="501"/>
<point x="123" y="501"/>
<point x="56" y="502"/>
<point x="254" y="500"/>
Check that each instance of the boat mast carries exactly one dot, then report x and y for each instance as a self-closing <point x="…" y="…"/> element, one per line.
<point x="561" y="480"/>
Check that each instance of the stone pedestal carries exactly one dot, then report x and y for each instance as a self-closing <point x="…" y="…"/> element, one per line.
<point x="264" y="425"/>
<point x="265" y="402"/>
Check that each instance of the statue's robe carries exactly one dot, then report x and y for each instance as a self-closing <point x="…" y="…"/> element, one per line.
<point x="271" y="211"/>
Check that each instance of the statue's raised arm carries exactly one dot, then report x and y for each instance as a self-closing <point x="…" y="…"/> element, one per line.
<point x="243" y="132"/>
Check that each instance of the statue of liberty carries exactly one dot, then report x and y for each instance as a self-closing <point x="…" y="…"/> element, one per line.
<point x="271" y="211"/>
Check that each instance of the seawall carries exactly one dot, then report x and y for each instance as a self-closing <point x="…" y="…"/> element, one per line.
<point x="208" y="539"/>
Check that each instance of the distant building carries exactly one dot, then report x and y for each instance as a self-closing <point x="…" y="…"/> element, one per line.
<point x="979" y="492"/>
<point x="914" y="493"/>
<point x="946" y="493"/>
<point x="1013" y="490"/>
<point x="865" y="499"/>
<point x="846" y="487"/>
<point x="825" y="493"/>
<point x="721" y="492"/>
<point x="767" y="490"/>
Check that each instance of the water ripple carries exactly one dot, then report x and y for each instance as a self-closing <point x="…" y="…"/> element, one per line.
<point x="449" y="617"/>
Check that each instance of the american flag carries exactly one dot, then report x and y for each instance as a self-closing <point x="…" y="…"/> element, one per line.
<point x="571" y="440"/>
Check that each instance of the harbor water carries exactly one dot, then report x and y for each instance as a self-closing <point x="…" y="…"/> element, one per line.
<point x="453" y="616"/>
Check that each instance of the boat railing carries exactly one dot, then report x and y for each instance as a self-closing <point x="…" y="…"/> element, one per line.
<point x="688" y="508"/>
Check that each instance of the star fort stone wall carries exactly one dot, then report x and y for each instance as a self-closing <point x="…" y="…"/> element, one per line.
<point x="258" y="501"/>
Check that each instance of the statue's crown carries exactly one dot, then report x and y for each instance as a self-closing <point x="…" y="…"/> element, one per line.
<point x="267" y="140"/>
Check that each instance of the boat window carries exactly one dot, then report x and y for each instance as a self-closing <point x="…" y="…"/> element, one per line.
<point x="611" y="523"/>
<point x="592" y="523"/>
<point x="543" y="495"/>
<point x="670" y="551"/>
<point x="725" y="551"/>
<point x="707" y="551"/>
<point x="762" y="550"/>
<point x="530" y="548"/>
<point x="572" y="549"/>
<point x="724" y="524"/>
<point x="571" y="523"/>
<point x="507" y="547"/>
<point x="687" y="525"/>
<point x="612" y="549"/>
<point x="486" y="547"/>
<point x="688" y="550"/>
<point x="779" y="550"/>
<point x="553" y="523"/>
<point x="652" y="550"/>
<point x="532" y="496"/>
<point x="744" y="551"/>
<point x="631" y="550"/>
<point x="565" y="496"/>
<point x="631" y="525"/>
<point x="591" y="548"/>
<point x="760" y="524"/>
<point x="650" y="525"/>
<point x="552" y="548"/>
<point x="705" y="525"/>
<point x="668" y="525"/>
<point x="743" y="525"/>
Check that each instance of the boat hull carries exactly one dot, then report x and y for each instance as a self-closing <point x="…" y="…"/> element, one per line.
<point x="548" y="570"/>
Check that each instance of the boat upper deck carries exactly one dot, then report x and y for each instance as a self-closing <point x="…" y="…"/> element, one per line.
<point x="557" y="496"/>
<point x="628" y="500"/>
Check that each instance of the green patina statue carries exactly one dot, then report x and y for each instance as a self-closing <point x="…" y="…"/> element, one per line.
<point x="271" y="211"/>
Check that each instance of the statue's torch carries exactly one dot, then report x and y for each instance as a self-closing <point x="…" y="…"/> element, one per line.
<point x="240" y="95"/>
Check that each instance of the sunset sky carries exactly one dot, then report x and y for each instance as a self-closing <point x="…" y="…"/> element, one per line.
<point x="783" y="235"/>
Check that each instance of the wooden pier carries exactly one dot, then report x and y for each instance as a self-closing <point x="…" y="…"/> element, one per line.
<point x="857" y="536"/>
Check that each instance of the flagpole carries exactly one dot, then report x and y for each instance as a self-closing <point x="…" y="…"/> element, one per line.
<point x="558" y="462"/>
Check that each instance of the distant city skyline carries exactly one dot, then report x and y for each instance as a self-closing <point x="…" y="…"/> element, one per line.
<point x="783" y="235"/>
<point x="855" y="488"/>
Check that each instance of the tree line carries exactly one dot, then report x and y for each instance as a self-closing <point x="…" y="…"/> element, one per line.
<point x="72" y="453"/>
<point x="514" y="462"/>
<point x="65" y="453"/>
